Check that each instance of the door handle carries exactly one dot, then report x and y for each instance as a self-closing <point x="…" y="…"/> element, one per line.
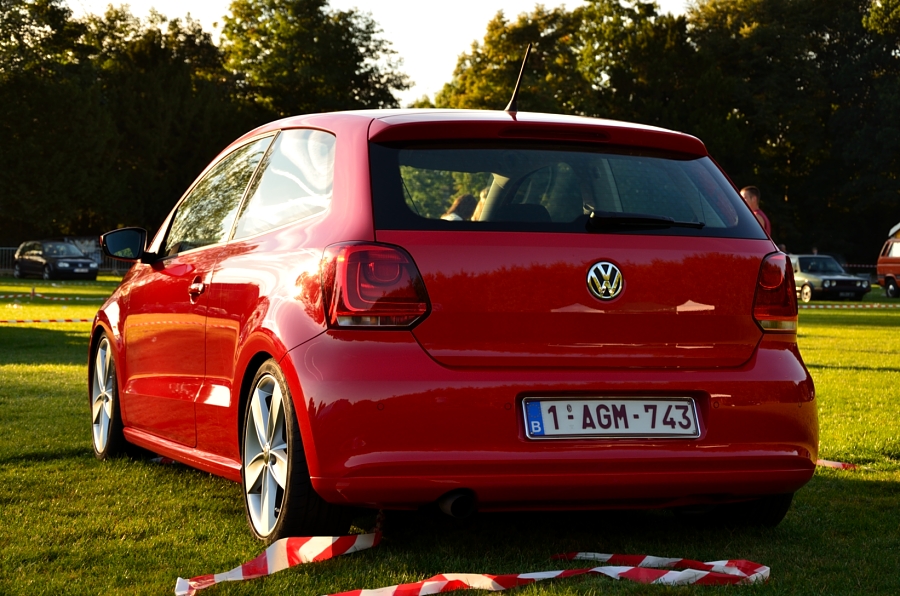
<point x="196" y="288"/>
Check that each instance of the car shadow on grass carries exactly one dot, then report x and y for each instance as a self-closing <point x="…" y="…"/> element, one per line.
<point x="20" y="344"/>
<point x="835" y="519"/>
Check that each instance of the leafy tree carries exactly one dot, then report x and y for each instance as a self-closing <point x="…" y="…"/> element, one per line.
<point x="815" y="92"/>
<point x="798" y="97"/>
<point x="105" y="121"/>
<point x="167" y="91"/>
<point x="55" y="138"/>
<point x="37" y="35"/>
<point x="484" y="78"/>
<point x="297" y="56"/>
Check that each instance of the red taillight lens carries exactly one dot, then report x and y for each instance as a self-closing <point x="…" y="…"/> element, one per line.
<point x="368" y="285"/>
<point x="775" y="305"/>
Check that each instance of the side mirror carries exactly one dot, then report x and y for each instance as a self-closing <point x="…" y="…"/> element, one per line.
<point x="125" y="244"/>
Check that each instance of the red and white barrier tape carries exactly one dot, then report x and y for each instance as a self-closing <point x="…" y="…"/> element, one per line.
<point x="641" y="569"/>
<point x="281" y="555"/>
<point x="868" y="305"/>
<point x="45" y="297"/>
<point x="289" y="552"/>
<point x="46" y="321"/>
<point x="835" y="464"/>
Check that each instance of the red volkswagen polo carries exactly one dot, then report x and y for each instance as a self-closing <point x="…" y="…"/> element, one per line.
<point x="486" y="310"/>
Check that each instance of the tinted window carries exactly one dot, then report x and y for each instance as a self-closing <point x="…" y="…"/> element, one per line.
<point x="296" y="182"/>
<point x="550" y="188"/>
<point x="207" y="213"/>
<point x="61" y="249"/>
<point x="819" y="265"/>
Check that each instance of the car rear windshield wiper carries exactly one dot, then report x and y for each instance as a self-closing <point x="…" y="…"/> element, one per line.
<point x="599" y="220"/>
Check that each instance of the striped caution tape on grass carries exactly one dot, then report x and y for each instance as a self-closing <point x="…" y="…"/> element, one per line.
<point x="835" y="464"/>
<point x="11" y="321"/>
<point x="643" y="569"/>
<point x="45" y="297"/>
<point x="282" y="554"/>
<point x="639" y="568"/>
<point x="865" y="306"/>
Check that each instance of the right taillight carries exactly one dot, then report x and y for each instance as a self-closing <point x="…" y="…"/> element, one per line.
<point x="775" y="305"/>
<point x="371" y="285"/>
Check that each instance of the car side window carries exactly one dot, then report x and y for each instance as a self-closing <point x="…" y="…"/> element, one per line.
<point x="296" y="182"/>
<point x="895" y="250"/>
<point x="206" y="215"/>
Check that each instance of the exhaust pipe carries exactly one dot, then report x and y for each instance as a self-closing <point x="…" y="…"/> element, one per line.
<point x="458" y="503"/>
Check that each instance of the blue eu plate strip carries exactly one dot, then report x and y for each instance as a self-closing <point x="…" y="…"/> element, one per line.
<point x="535" y="420"/>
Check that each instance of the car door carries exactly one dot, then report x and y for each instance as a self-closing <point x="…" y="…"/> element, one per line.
<point x="294" y="183"/>
<point x="165" y="335"/>
<point x="33" y="264"/>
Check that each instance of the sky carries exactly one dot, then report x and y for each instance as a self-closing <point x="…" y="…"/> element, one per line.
<point x="428" y="36"/>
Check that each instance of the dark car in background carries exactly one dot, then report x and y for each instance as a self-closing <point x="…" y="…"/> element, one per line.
<point x="822" y="277"/>
<point x="53" y="259"/>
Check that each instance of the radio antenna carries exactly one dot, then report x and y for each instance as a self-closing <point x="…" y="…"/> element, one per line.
<point x="512" y="107"/>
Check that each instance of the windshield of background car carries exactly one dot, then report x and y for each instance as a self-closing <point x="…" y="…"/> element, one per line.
<point x="819" y="265"/>
<point x="550" y="187"/>
<point x="61" y="249"/>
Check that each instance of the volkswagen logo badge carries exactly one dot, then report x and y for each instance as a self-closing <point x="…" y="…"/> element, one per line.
<point x="604" y="280"/>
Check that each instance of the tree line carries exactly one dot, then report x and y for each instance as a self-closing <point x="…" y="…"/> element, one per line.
<point x="105" y="120"/>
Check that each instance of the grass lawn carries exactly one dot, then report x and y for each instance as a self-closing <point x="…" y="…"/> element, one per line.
<point x="72" y="525"/>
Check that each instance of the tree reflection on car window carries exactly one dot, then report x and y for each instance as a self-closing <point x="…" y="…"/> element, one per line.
<point x="207" y="214"/>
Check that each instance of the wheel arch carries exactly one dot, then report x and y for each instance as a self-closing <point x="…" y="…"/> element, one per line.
<point x="249" y="372"/>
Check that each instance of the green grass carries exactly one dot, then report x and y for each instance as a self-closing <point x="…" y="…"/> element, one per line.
<point x="86" y="298"/>
<point x="72" y="525"/>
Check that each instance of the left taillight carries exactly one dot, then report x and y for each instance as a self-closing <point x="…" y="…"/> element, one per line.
<point x="372" y="285"/>
<point x="775" y="304"/>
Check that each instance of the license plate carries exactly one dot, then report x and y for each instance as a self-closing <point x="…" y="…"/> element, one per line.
<point x="845" y="294"/>
<point x="610" y="417"/>
<point x="81" y="271"/>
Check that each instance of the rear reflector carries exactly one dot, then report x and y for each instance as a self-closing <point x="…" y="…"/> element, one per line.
<point x="775" y="305"/>
<point x="371" y="285"/>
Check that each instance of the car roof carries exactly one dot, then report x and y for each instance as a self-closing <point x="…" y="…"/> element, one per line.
<point x="447" y="124"/>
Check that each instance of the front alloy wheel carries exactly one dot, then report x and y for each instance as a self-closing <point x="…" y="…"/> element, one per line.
<point x="891" y="289"/>
<point x="805" y="293"/>
<point x="106" y="420"/>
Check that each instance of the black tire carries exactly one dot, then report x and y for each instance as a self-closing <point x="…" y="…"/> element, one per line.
<point x="17" y="271"/>
<point x="295" y="509"/>
<point x="891" y="289"/>
<point x="766" y="512"/>
<point x="107" y="437"/>
<point x="805" y="293"/>
<point x="48" y="273"/>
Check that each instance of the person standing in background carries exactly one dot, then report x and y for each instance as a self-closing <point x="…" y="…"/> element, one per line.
<point x="751" y="196"/>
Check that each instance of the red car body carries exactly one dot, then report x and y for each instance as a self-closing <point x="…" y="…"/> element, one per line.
<point x="396" y="418"/>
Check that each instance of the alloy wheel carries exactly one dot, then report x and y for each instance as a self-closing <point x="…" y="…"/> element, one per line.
<point x="103" y="388"/>
<point x="265" y="455"/>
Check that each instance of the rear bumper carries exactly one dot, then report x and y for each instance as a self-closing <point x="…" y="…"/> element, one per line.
<point x="386" y="426"/>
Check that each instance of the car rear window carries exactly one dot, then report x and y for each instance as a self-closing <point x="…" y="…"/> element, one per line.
<point x="552" y="188"/>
